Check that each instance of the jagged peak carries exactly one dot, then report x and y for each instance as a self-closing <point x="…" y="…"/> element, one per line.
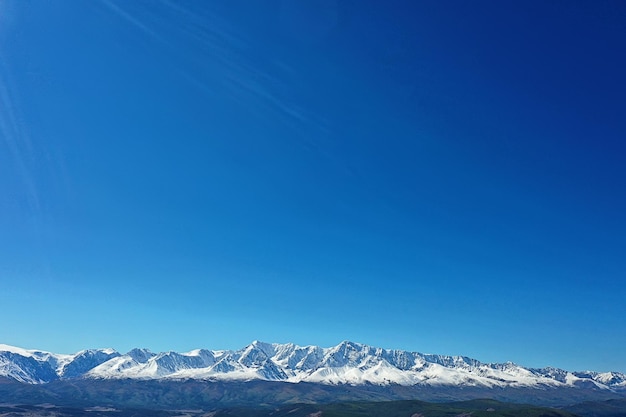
<point x="140" y="350"/>
<point x="268" y="349"/>
<point x="140" y="355"/>
<point x="349" y="343"/>
<point x="347" y="362"/>
<point x="106" y="351"/>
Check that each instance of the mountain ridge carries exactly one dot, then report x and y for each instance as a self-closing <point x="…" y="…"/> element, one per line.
<point x="346" y="363"/>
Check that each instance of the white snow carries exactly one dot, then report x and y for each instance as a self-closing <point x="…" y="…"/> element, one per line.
<point x="346" y="363"/>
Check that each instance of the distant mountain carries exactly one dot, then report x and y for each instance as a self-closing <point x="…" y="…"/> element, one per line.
<point x="361" y="371"/>
<point x="346" y="363"/>
<point x="37" y="367"/>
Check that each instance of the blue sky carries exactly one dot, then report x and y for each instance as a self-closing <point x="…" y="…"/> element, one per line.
<point x="442" y="177"/>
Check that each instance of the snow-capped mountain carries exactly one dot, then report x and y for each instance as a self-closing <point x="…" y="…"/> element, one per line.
<point x="347" y="363"/>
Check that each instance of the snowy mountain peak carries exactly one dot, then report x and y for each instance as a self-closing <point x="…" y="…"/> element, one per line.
<point x="346" y="363"/>
<point x="19" y="351"/>
<point x="141" y="355"/>
<point x="84" y="361"/>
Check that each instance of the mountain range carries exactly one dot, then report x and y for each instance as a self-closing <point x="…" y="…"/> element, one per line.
<point x="347" y="363"/>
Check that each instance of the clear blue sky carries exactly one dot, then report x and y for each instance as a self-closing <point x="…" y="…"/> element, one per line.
<point x="438" y="176"/>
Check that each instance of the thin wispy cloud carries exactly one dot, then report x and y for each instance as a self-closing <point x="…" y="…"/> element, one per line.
<point x="212" y="48"/>
<point x="16" y="140"/>
<point x="130" y="18"/>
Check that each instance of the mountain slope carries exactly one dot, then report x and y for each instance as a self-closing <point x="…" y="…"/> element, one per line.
<point x="347" y="363"/>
